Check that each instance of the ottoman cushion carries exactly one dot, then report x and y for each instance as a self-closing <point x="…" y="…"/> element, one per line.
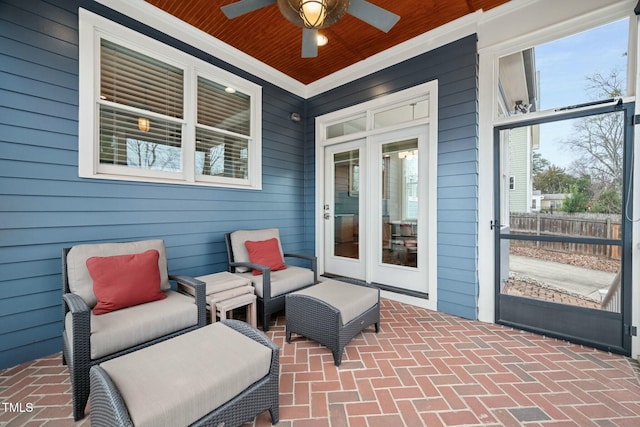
<point x="350" y="300"/>
<point x="178" y="381"/>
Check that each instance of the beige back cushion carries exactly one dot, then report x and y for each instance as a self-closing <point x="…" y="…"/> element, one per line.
<point x="80" y="281"/>
<point x="240" y="253"/>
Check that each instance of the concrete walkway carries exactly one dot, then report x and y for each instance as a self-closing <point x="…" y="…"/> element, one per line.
<point x="574" y="279"/>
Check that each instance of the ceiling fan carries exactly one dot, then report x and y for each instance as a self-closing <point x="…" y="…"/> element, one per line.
<point x="312" y="15"/>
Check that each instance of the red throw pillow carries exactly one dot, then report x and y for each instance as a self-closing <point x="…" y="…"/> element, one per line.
<point x="125" y="280"/>
<point x="265" y="252"/>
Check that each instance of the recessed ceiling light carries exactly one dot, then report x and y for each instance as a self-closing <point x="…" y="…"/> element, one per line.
<point x="322" y="40"/>
<point x="230" y="90"/>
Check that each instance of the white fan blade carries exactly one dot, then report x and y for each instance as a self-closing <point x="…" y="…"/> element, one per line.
<point x="374" y="15"/>
<point x="241" y="7"/>
<point x="309" y="42"/>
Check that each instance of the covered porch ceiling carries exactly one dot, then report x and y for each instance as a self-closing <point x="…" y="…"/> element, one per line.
<point x="268" y="37"/>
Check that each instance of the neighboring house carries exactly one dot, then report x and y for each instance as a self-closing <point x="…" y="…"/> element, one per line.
<point x="536" y="201"/>
<point x="552" y="202"/>
<point x="522" y="142"/>
<point x="45" y="205"/>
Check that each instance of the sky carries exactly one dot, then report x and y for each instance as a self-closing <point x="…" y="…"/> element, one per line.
<point x="563" y="66"/>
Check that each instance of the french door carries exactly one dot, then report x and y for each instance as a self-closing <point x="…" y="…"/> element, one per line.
<point x="344" y="211"/>
<point x="374" y="214"/>
<point x="563" y="233"/>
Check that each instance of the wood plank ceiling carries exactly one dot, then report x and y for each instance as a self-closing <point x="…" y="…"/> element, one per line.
<point x="267" y="36"/>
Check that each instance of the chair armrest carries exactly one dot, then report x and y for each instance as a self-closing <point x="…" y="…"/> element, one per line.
<point x="314" y="263"/>
<point x="199" y="291"/>
<point x="81" y="326"/>
<point x="75" y="304"/>
<point x="250" y="265"/>
<point x="303" y="256"/>
<point x="266" y="275"/>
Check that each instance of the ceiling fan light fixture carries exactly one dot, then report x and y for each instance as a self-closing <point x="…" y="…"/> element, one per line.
<point x="313" y="12"/>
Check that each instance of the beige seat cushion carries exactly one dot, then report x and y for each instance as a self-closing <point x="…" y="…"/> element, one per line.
<point x="80" y="281"/>
<point x="283" y="281"/>
<point x="240" y="253"/>
<point x="176" y="382"/>
<point x="130" y="326"/>
<point x="350" y="300"/>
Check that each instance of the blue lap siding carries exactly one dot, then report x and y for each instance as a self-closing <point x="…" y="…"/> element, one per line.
<point x="45" y="206"/>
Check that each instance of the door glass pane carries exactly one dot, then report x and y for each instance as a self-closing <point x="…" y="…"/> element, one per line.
<point x="400" y="203"/>
<point x="563" y="179"/>
<point x="346" y="203"/>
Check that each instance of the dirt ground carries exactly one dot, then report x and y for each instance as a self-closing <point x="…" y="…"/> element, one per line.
<point x="586" y="261"/>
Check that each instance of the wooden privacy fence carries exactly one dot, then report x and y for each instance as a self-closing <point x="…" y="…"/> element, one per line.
<point x="570" y="225"/>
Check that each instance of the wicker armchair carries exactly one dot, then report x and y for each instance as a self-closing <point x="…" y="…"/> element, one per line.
<point x="271" y="286"/>
<point x="89" y="339"/>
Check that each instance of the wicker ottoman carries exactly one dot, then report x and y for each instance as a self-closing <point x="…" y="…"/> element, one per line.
<point x="332" y="313"/>
<point x="222" y="374"/>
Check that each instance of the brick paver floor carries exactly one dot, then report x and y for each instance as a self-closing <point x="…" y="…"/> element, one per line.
<point x="422" y="369"/>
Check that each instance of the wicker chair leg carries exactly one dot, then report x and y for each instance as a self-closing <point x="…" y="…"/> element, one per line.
<point x="337" y="356"/>
<point x="80" y="391"/>
<point x="266" y="317"/>
<point x="275" y="415"/>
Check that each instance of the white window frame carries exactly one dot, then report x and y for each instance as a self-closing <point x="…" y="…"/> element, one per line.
<point x="93" y="28"/>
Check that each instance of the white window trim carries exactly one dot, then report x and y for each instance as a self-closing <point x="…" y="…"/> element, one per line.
<point x="92" y="28"/>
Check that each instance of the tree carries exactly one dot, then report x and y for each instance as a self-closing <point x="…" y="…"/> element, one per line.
<point x="583" y="186"/>
<point x="598" y="140"/>
<point x="553" y="180"/>
<point x="608" y="202"/>
<point x="539" y="163"/>
<point x="577" y="201"/>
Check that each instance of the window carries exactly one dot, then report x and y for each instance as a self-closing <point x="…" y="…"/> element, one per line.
<point x="149" y="112"/>
<point x="406" y="112"/>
